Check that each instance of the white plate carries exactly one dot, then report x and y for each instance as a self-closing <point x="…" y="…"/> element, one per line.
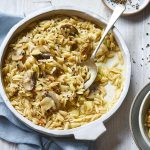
<point x="135" y="7"/>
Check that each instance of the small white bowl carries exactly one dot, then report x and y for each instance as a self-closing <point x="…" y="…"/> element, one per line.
<point x="142" y="114"/>
<point x="129" y="10"/>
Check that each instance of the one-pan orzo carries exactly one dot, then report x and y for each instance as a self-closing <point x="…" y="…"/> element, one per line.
<point x="43" y="78"/>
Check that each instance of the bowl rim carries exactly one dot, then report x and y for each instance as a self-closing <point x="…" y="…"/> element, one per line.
<point x="99" y="120"/>
<point x="141" y="125"/>
<point x="130" y="114"/>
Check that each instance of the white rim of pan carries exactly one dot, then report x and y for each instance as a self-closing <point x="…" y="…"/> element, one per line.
<point x="145" y="3"/>
<point x="95" y="123"/>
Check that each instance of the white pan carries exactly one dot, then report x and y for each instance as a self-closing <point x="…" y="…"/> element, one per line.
<point x="92" y="130"/>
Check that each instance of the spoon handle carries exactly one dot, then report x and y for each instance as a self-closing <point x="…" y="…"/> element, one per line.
<point x="116" y="14"/>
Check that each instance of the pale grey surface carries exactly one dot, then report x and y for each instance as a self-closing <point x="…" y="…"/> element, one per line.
<point x="133" y="29"/>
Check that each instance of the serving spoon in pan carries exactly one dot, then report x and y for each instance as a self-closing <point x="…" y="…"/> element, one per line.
<point x="90" y="62"/>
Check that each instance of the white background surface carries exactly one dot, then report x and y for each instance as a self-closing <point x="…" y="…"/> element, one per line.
<point x="133" y="30"/>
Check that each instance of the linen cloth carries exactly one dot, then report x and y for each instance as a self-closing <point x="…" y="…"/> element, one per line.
<point x="12" y="130"/>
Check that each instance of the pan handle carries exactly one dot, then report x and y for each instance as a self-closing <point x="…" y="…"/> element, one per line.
<point x="91" y="132"/>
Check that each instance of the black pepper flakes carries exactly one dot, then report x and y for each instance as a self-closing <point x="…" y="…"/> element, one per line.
<point x="137" y="6"/>
<point x="133" y="61"/>
<point x="23" y="53"/>
<point x="148" y="45"/>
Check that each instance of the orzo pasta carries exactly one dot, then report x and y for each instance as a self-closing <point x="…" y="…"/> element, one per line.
<point x="147" y="122"/>
<point x="43" y="78"/>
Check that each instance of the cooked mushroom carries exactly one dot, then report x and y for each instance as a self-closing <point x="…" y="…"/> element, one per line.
<point x="94" y="88"/>
<point x="42" y="56"/>
<point x="73" y="44"/>
<point x="47" y="103"/>
<point x="57" y="71"/>
<point x="68" y="30"/>
<point x="39" y="53"/>
<point x="87" y="49"/>
<point x="55" y="97"/>
<point x="29" y="80"/>
<point x="18" y="54"/>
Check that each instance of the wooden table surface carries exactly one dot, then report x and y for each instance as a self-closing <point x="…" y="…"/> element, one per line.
<point x="134" y="30"/>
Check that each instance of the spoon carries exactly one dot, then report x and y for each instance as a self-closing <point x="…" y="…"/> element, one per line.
<point x="90" y="62"/>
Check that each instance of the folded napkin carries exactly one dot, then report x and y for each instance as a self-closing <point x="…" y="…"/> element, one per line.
<point x="12" y="130"/>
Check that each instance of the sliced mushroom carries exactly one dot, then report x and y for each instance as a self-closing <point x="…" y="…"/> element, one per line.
<point x="18" y="55"/>
<point x="57" y="72"/>
<point x="29" y="80"/>
<point x="94" y="88"/>
<point x="47" y="103"/>
<point x="73" y="44"/>
<point x="87" y="49"/>
<point x="39" y="53"/>
<point x="55" y="97"/>
<point x="68" y="30"/>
